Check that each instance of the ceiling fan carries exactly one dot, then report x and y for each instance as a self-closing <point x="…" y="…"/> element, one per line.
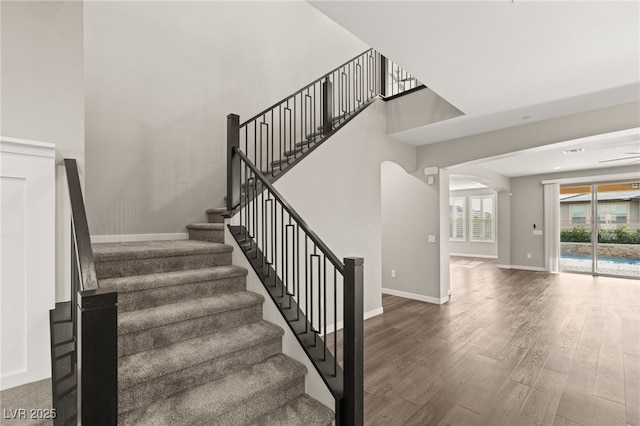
<point x="633" y="156"/>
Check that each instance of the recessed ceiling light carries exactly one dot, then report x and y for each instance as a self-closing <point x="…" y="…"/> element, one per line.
<point x="557" y="168"/>
<point x="572" y="151"/>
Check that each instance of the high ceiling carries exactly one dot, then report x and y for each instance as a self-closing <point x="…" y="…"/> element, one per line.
<point x="504" y="63"/>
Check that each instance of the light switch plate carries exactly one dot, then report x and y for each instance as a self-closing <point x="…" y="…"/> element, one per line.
<point x="431" y="239"/>
<point x="537" y="232"/>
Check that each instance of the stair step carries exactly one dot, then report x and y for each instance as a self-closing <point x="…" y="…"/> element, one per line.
<point x="283" y="161"/>
<point x="152" y="328"/>
<point x="298" y="150"/>
<point x="145" y="291"/>
<point x="238" y="398"/>
<point x="303" y="410"/>
<point x="148" y="376"/>
<point x="213" y="232"/>
<point x="307" y="142"/>
<point x="147" y="257"/>
<point x="217" y="215"/>
<point x="317" y="133"/>
<point x="336" y="119"/>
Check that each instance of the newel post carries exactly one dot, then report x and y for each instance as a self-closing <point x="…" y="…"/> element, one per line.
<point x="352" y="405"/>
<point x="97" y="357"/>
<point x="233" y="162"/>
<point x="327" y="106"/>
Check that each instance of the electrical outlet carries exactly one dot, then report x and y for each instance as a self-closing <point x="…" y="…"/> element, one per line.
<point x="393" y="273"/>
<point x="528" y="255"/>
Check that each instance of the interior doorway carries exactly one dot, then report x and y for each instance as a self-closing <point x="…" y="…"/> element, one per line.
<point x="600" y="229"/>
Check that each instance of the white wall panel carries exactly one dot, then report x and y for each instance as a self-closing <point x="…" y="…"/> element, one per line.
<point x="27" y="259"/>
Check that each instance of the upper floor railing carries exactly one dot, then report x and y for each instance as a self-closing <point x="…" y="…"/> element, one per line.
<point x="278" y="136"/>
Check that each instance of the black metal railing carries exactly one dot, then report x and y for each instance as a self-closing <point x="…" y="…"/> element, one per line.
<point x="314" y="290"/>
<point x="84" y="331"/>
<point x="277" y="137"/>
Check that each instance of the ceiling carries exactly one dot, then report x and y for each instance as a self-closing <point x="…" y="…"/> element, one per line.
<point x="504" y="63"/>
<point x="610" y="150"/>
<point x="461" y="183"/>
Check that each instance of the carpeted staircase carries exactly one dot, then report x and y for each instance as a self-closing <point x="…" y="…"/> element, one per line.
<point x="193" y="347"/>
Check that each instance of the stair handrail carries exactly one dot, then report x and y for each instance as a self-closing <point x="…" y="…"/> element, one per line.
<point x="93" y="314"/>
<point x="346" y="385"/>
<point x="299" y="123"/>
<point x="80" y="228"/>
<point x="292" y="212"/>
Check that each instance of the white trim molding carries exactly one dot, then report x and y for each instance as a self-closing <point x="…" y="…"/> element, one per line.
<point x="414" y="296"/>
<point x="138" y="237"/>
<point x="27" y="147"/>
<point x="524" y="268"/>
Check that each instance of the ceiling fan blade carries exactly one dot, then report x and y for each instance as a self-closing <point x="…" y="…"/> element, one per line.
<point x="633" y="153"/>
<point x="619" y="159"/>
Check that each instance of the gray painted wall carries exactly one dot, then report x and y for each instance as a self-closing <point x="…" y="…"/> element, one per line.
<point x="475" y="248"/>
<point x="407" y="209"/>
<point x="161" y="78"/>
<point x="42" y="95"/>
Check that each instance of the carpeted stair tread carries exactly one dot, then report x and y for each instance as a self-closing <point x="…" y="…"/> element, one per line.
<point x="150" y="249"/>
<point x="303" y="410"/>
<point x="165" y="279"/>
<point x="146" y="365"/>
<point x="144" y="319"/>
<point x="207" y="226"/>
<point x="217" y="402"/>
<point x="217" y="210"/>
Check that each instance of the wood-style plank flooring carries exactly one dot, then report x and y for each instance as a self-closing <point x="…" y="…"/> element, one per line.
<point x="510" y="348"/>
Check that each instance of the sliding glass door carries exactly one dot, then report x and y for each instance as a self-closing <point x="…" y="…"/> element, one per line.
<point x="599" y="232"/>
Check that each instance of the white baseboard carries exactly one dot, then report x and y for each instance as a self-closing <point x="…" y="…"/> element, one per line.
<point x="524" y="268"/>
<point x="138" y="237"/>
<point x="482" y="256"/>
<point x="420" y="297"/>
<point x="373" y="313"/>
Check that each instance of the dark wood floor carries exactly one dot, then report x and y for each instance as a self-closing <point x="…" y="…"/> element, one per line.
<point x="510" y="348"/>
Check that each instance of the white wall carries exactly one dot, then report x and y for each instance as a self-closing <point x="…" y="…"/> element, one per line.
<point x="407" y="213"/>
<point x="475" y="248"/>
<point x="337" y="191"/>
<point x="27" y="259"/>
<point x="42" y="90"/>
<point x="161" y="78"/>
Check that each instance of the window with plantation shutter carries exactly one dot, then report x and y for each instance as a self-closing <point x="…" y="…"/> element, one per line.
<point x="482" y="218"/>
<point x="456" y="219"/>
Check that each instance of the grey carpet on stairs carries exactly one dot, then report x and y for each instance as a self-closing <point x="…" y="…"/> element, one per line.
<point x="192" y="343"/>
